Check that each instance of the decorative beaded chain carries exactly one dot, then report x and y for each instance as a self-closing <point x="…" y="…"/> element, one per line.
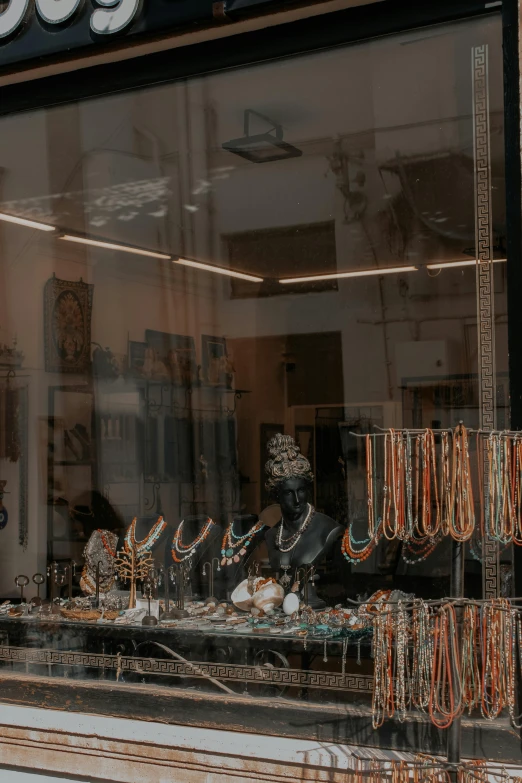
<point x="231" y="543"/>
<point x="422" y="661"/>
<point x="428" y="491"/>
<point x="287" y="544"/>
<point x="146" y="544"/>
<point x="179" y="550"/>
<point x="106" y="543"/>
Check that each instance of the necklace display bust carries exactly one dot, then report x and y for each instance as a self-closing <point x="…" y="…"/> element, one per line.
<point x="148" y="533"/>
<point x="196" y="540"/>
<point x="303" y="537"/>
<point x="244" y="546"/>
<point x="290" y="542"/>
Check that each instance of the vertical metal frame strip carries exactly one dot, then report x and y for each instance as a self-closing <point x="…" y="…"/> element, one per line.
<point x="485" y="287"/>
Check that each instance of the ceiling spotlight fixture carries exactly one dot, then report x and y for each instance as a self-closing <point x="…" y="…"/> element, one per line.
<point x="218" y="270"/>
<point x="23" y="222"/>
<point x="138" y="251"/>
<point x="390" y="270"/>
<point x="262" y="147"/>
<point x="468" y="262"/>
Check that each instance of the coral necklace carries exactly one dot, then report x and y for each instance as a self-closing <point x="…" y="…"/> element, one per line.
<point x="179" y="550"/>
<point x="107" y="544"/>
<point x="231" y="542"/>
<point x="146" y="544"/>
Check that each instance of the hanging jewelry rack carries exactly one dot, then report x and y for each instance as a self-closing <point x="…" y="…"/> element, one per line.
<point x="449" y="430"/>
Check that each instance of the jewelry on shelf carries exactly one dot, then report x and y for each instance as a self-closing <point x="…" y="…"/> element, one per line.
<point x="288" y="544"/>
<point x="181" y="551"/>
<point x="232" y="542"/>
<point x="147" y="543"/>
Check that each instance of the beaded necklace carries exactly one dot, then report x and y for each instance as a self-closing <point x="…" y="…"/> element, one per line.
<point x="462" y="517"/>
<point x="146" y="544"/>
<point x="349" y="542"/>
<point x="287" y="544"/>
<point x="179" y="550"/>
<point x="106" y="544"/>
<point x="231" y="543"/>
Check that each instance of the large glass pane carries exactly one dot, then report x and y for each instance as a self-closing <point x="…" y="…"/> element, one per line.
<point x="158" y="344"/>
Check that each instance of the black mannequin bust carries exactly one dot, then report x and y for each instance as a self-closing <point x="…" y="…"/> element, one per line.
<point x="237" y="571"/>
<point x="303" y="537"/>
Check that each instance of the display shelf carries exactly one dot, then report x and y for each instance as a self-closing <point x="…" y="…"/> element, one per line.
<point x="136" y="382"/>
<point x="72" y="463"/>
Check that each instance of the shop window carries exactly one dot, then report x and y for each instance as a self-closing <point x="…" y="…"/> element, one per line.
<point x="170" y="387"/>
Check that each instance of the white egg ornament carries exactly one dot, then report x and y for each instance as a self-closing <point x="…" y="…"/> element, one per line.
<point x="291" y="604"/>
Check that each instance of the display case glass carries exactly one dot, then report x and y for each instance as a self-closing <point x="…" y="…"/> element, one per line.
<point x="238" y="314"/>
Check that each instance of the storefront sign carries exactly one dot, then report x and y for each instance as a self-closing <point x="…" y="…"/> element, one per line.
<point x="32" y="30"/>
<point x="114" y="16"/>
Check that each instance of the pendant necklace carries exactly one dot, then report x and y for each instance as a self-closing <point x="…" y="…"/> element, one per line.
<point x="287" y="544"/>
<point x="179" y="550"/>
<point x="286" y="579"/>
<point x="146" y="544"/>
<point x="232" y="542"/>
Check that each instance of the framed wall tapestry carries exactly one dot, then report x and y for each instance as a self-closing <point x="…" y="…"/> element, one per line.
<point x="67" y="325"/>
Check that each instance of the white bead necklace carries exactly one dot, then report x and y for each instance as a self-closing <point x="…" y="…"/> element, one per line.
<point x="290" y="543"/>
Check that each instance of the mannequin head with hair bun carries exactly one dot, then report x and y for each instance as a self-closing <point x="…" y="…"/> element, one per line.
<point x="289" y="476"/>
<point x="289" y="479"/>
<point x="287" y="462"/>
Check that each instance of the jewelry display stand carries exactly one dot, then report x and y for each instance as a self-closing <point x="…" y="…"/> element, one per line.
<point x="150" y="584"/>
<point x="179" y="574"/>
<point x="208" y="568"/>
<point x="38" y="580"/>
<point x="133" y="569"/>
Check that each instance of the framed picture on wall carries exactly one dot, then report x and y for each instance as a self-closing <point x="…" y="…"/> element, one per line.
<point x="136" y="357"/>
<point x="214" y="360"/>
<point x="177" y="353"/>
<point x="67" y="325"/>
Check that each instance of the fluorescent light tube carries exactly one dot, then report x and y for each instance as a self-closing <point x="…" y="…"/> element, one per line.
<point x="467" y="262"/>
<point x="356" y="273"/>
<point x="139" y="251"/>
<point x="23" y="222"/>
<point x="217" y="269"/>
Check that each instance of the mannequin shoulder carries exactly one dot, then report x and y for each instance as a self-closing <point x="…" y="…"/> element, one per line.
<point x="270" y="534"/>
<point x="327" y="525"/>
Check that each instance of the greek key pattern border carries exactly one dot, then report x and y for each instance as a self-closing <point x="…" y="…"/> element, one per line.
<point x="485" y="282"/>
<point x="358" y="683"/>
